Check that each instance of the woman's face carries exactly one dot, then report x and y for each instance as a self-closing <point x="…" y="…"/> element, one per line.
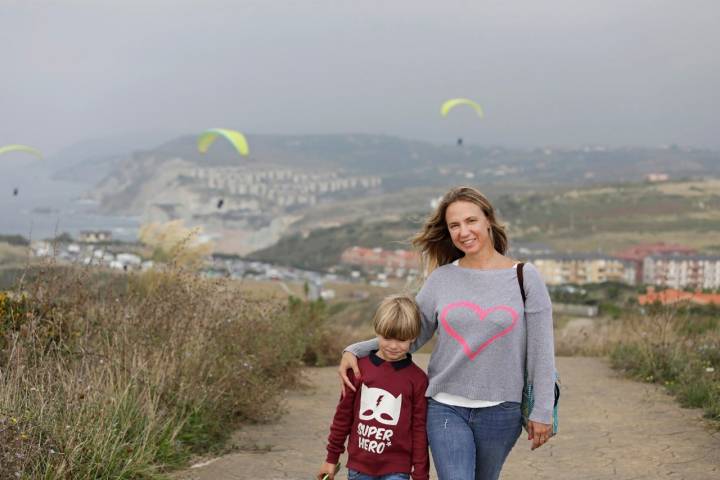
<point x="468" y="227"/>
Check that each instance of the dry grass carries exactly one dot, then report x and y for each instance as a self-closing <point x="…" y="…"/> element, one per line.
<point x="13" y="254"/>
<point x="270" y="289"/>
<point x="690" y="189"/>
<point x="113" y="376"/>
<point x="587" y="337"/>
<point x="694" y="188"/>
<point x="172" y="241"/>
<point x="678" y="347"/>
<point x="614" y="241"/>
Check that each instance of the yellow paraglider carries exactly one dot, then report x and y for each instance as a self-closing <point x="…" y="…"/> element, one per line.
<point x="237" y="140"/>
<point x="454" y="102"/>
<point x="21" y="148"/>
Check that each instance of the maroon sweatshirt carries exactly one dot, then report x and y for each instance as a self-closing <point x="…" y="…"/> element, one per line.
<point x="385" y="419"/>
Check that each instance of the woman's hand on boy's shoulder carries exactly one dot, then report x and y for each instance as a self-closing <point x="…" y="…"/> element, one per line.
<point x="348" y="362"/>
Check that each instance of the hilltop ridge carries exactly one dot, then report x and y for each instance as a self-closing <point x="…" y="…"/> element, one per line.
<point x="287" y="179"/>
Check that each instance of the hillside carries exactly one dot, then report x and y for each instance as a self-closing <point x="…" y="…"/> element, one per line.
<point x="89" y="160"/>
<point x="604" y="218"/>
<point x="322" y="248"/>
<point x="612" y="217"/>
<point x="293" y="184"/>
<point x="400" y="163"/>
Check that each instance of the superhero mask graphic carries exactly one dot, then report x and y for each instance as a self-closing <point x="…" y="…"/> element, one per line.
<point x="378" y="404"/>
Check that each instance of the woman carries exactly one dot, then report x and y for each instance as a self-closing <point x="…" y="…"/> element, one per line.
<point x="487" y="339"/>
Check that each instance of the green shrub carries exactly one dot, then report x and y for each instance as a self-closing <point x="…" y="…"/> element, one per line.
<point x="15" y="240"/>
<point x="694" y="392"/>
<point x="114" y="376"/>
<point x="699" y="324"/>
<point x="610" y="309"/>
<point x="322" y="343"/>
<point x="674" y="348"/>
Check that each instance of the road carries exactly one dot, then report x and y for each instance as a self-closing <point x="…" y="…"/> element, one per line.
<point x="610" y="428"/>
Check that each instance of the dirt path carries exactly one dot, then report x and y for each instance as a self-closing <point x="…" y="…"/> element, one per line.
<point x="610" y="428"/>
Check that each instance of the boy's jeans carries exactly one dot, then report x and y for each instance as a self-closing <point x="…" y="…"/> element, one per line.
<point x="353" y="475"/>
<point x="469" y="443"/>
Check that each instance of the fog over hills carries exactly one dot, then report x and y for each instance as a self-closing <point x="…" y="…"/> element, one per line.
<point x="249" y="202"/>
<point x="297" y="183"/>
<point x="419" y="162"/>
<point x="565" y="72"/>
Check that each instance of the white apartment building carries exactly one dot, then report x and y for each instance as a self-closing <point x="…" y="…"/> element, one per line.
<point x="282" y="187"/>
<point x="676" y="271"/>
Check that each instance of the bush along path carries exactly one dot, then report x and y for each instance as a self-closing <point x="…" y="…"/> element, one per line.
<point x="108" y="376"/>
<point x="610" y="428"/>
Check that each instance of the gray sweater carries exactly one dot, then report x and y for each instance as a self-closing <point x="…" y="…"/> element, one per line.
<point x="484" y="334"/>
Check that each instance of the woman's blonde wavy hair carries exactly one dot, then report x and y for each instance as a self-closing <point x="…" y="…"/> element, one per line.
<point x="434" y="242"/>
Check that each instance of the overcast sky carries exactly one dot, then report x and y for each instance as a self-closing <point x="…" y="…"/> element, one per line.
<point x="547" y="72"/>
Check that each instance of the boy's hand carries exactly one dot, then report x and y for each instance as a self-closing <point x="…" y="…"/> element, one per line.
<point x="327" y="472"/>
<point x="348" y="361"/>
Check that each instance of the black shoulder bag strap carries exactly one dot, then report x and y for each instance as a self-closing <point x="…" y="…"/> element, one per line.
<point x="520" y="280"/>
<point x="522" y="292"/>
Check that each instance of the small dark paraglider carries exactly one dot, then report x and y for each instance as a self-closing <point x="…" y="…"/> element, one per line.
<point x="459" y="142"/>
<point x="15" y="192"/>
<point x="220" y="203"/>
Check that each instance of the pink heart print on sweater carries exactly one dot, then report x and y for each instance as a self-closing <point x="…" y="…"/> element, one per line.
<point x="482" y="315"/>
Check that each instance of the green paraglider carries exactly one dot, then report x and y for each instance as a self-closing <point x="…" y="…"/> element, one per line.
<point x="21" y="148"/>
<point x="454" y="102"/>
<point x="237" y="140"/>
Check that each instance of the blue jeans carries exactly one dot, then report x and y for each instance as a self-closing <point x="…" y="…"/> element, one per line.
<point x="353" y="475"/>
<point x="471" y="443"/>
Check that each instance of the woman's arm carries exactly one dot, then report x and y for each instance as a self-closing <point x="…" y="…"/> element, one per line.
<point x="362" y="349"/>
<point x="427" y="330"/>
<point x="427" y="303"/>
<point x="349" y="362"/>
<point x="540" y="345"/>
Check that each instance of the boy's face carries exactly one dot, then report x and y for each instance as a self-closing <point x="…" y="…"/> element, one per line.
<point x="392" y="350"/>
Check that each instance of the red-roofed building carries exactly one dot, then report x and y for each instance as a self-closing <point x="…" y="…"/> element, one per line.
<point x="669" y="296"/>
<point x="638" y="253"/>
<point x="672" y="296"/>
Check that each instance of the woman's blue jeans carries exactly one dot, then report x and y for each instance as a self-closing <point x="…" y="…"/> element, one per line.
<point x="471" y="443"/>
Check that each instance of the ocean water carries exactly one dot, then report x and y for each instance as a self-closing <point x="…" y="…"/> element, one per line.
<point x="45" y="207"/>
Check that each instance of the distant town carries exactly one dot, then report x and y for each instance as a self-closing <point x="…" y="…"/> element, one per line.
<point x="658" y="264"/>
<point x="669" y="270"/>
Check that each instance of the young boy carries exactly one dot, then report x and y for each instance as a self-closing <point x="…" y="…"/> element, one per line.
<point x="385" y="416"/>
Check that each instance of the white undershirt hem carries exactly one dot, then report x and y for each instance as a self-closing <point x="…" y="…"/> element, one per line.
<point x="458" y="401"/>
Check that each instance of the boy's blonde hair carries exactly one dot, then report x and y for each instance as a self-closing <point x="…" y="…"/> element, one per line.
<point x="397" y="318"/>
